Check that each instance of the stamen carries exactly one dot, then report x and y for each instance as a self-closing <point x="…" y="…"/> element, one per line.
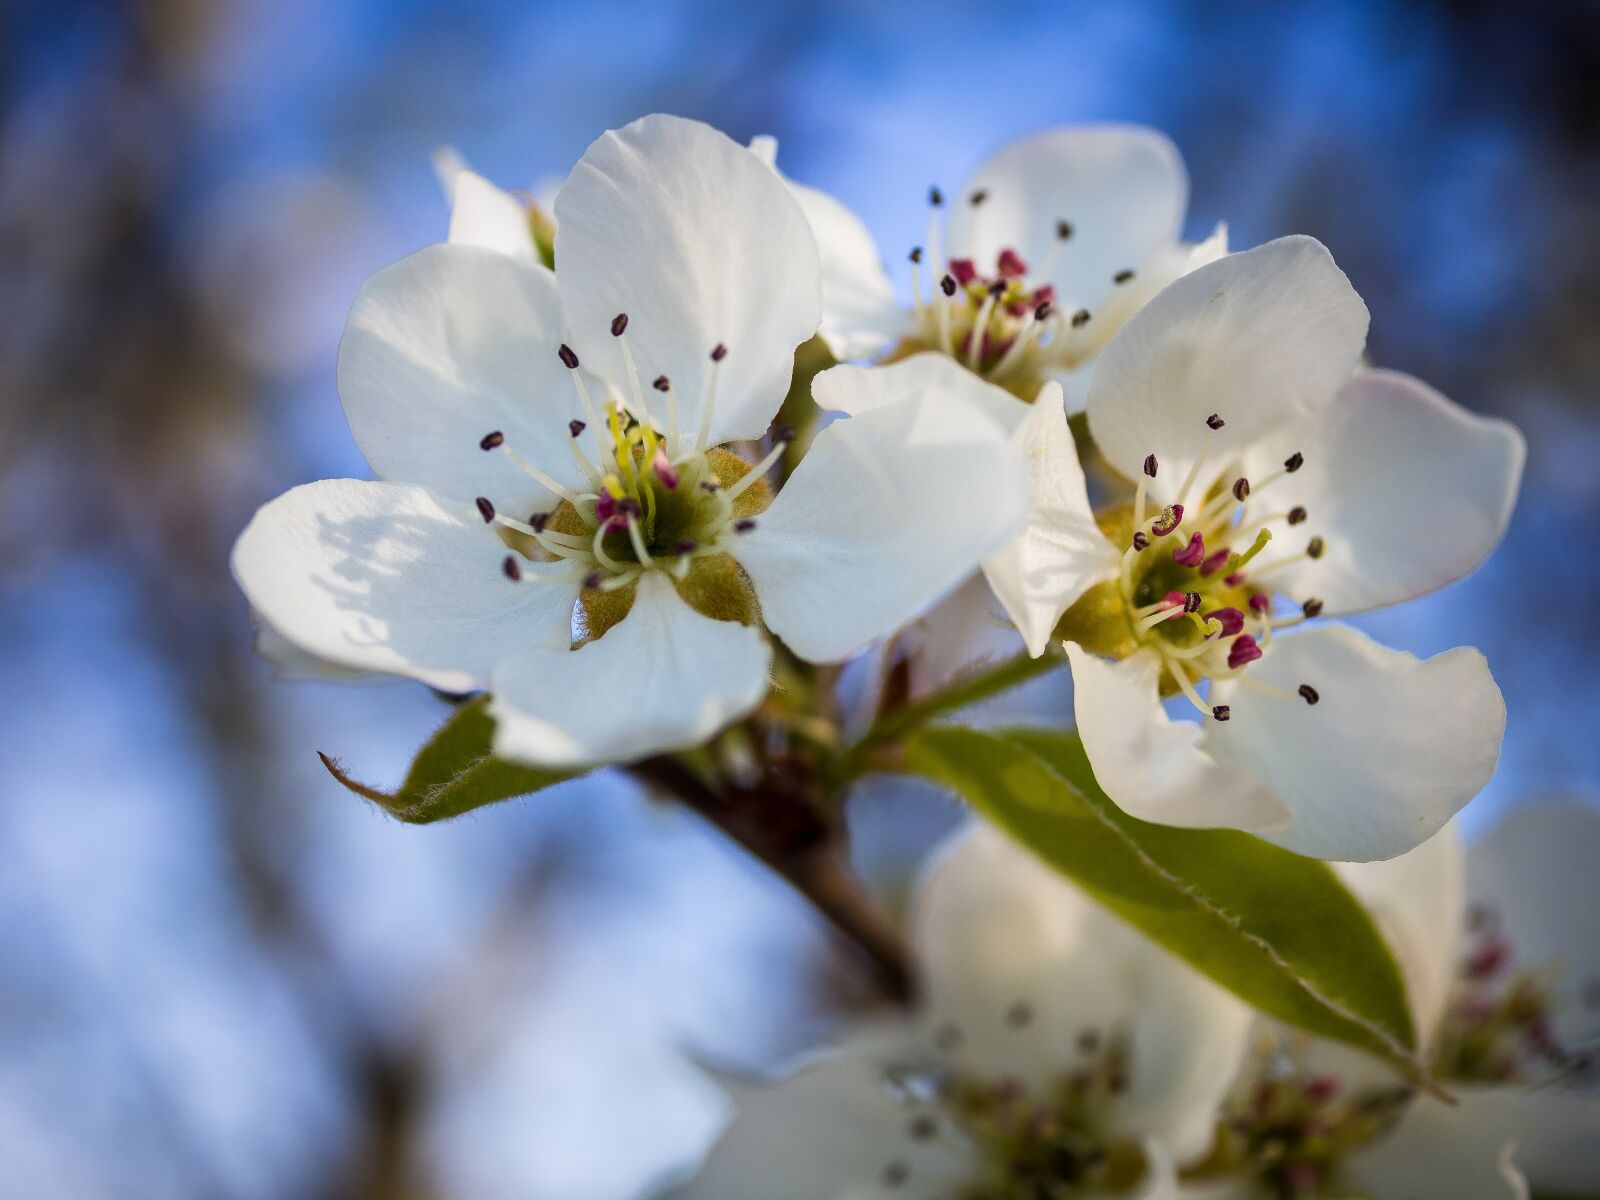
<point x="977" y="339"/>
<point x="1243" y="650"/>
<point x="485" y="509"/>
<point x="497" y="441"/>
<point x="1221" y="712"/>
<point x="1080" y="318"/>
<point x="978" y="197"/>
<point x="1214" y="422"/>
<point x="782" y="437"/>
<point x="1296" y="515"/>
<point x="1308" y="693"/>
<point x="1193" y="554"/>
<point x="1139" y="540"/>
<point x="510" y="569"/>
<point x="1294" y="462"/>
<point x="947" y="286"/>
<point x="934" y="238"/>
<point x="636" y="536"/>
<point x="1315" y="547"/>
<point x="492" y="441"/>
<point x="916" y="280"/>
<point x="1122" y="276"/>
<point x="618" y="326"/>
<point x="1312" y="608"/>
<point x="1192" y="602"/>
<point x="1171" y="517"/>
<point x="1194" y="471"/>
<point x="1151" y="466"/>
<point x="718" y="353"/>
<point x="744" y="525"/>
<point x="1241" y="489"/>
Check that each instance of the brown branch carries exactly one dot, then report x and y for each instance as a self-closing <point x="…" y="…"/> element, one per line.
<point x="780" y="829"/>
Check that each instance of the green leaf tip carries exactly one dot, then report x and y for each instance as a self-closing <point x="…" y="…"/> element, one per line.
<point x="454" y="772"/>
<point x="1280" y="931"/>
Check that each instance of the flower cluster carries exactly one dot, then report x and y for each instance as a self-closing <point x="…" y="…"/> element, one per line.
<point x="674" y="479"/>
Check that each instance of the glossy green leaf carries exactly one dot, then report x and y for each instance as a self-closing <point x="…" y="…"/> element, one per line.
<point x="455" y="772"/>
<point x="1278" y="930"/>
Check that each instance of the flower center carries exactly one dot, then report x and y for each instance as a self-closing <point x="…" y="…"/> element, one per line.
<point x="1193" y="585"/>
<point x="1292" y="1131"/>
<point x="1003" y="322"/>
<point x="1500" y="1024"/>
<point x="654" y="501"/>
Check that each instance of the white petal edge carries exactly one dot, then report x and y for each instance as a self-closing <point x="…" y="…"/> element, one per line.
<point x="445" y="346"/>
<point x="1408" y="491"/>
<point x="861" y="315"/>
<point x="1060" y="552"/>
<point x="1153" y="766"/>
<point x="482" y="214"/>
<point x="887" y="512"/>
<point x="700" y="244"/>
<point x="856" y="390"/>
<point x="392" y="578"/>
<point x="1393" y="749"/>
<point x="1264" y="338"/>
<point x="1123" y="188"/>
<point x="833" y="1131"/>
<point x="663" y="678"/>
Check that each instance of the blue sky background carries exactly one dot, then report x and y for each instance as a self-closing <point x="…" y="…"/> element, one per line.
<point x="220" y="976"/>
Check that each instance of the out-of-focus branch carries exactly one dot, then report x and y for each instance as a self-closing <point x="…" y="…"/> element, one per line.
<point x="786" y="833"/>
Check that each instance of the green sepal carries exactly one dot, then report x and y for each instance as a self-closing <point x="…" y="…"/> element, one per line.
<point x="455" y="772"/>
<point x="1280" y="931"/>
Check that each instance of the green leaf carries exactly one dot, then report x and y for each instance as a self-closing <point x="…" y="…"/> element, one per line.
<point x="454" y="772"/>
<point x="1280" y="931"/>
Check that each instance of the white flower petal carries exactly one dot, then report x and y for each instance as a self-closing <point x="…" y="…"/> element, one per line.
<point x="1264" y="338"/>
<point x="291" y="661"/>
<point x="663" y="678"/>
<point x="1407" y="490"/>
<point x="1152" y="766"/>
<point x="860" y="314"/>
<point x="1417" y="901"/>
<point x="1536" y="872"/>
<point x="836" y="1131"/>
<point x="1060" y="553"/>
<point x="856" y="390"/>
<point x="887" y="511"/>
<point x="445" y="346"/>
<point x="699" y="243"/>
<point x="1123" y="188"/>
<point x="1019" y="965"/>
<point x="484" y="215"/>
<point x="1391" y="751"/>
<point x="1459" y="1152"/>
<point x="387" y="577"/>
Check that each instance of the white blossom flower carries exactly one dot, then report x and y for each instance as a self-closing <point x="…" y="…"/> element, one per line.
<point x="1507" y="1013"/>
<point x="559" y="517"/>
<point x="1053" y="243"/>
<point x="1056" y="1052"/>
<point x="482" y="214"/>
<point x="1276" y="483"/>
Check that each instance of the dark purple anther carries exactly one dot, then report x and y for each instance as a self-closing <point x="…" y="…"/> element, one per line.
<point x="1080" y="318"/>
<point x="593" y="580"/>
<point x="1151" y="465"/>
<point x="784" y="434"/>
<point x="569" y="360"/>
<point x="1171" y="517"/>
<point x="1260" y="603"/>
<point x="1139" y="540"/>
<point x="1297" y="514"/>
<point x="947" y="285"/>
<point x="1312" y="608"/>
<point x="1222" y="712"/>
<point x="1214" y="422"/>
<point x="608" y="512"/>
<point x="744" y="525"/>
<point x="1244" y="650"/>
<point x="1315" y="547"/>
<point x="1042" y="311"/>
<point x="963" y="270"/>
<point x="719" y="352"/>
<point x="1231" y="620"/>
<point x="1308" y="693"/>
<point x="485" y="509"/>
<point x="1241" y="489"/>
<point x="1122" y="276"/>
<point x="1215" y="561"/>
<point x="1192" y="602"/>
<point x="575" y="427"/>
<point x="660" y="383"/>
<point x="978" y="197"/>
<point x="1193" y="554"/>
<point x="1294" y="462"/>
<point x="512" y="571"/>
<point x="1063" y="230"/>
<point x="916" y="254"/>
<point x="619" y="324"/>
<point x="1011" y="265"/>
<point x="539" y="521"/>
<point x="490" y="440"/>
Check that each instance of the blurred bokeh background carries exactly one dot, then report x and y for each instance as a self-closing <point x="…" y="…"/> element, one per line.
<point x="221" y="976"/>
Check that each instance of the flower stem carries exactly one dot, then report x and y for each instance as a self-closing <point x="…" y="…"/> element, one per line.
<point x="783" y="830"/>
